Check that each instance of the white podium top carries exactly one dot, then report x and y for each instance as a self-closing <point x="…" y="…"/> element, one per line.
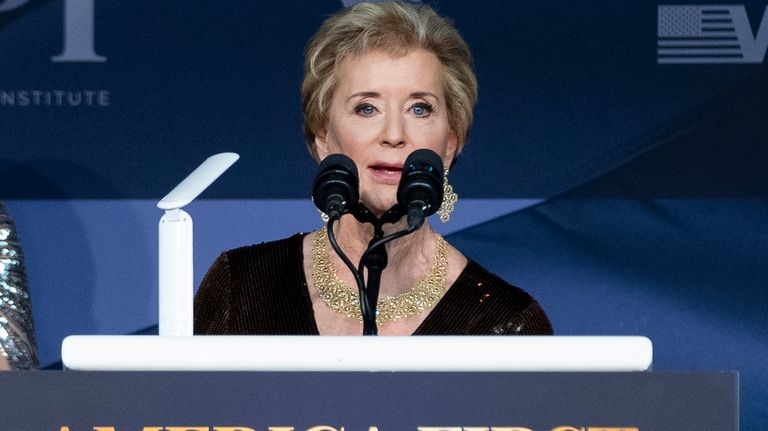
<point x="357" y="353"/>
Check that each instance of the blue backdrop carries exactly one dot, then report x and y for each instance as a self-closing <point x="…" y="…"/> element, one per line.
<point x="616" y="169"/>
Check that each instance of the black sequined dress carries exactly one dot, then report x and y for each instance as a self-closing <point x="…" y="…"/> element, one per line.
<point x="262" y="290"/>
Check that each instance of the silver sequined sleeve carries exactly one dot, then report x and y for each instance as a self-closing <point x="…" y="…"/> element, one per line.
<point x="17" y="329"/>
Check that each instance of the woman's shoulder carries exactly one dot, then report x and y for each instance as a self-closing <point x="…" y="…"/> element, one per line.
<point x="479" y="277"/>
<point x="497" y="305"/>
<point x="289" y="245"/>
<point x="238" y="293"/>
<point x="260" y="263"/>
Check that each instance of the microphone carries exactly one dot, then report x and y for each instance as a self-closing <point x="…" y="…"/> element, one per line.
<point x="335" y="191"/>
<point x="420" y="190"/>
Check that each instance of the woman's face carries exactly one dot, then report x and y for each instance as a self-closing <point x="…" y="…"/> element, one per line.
<point x="383" y="109"/>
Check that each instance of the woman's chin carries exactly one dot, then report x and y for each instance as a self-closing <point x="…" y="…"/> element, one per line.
<point x="379" y="207"/>
<point x="380" y="200"/>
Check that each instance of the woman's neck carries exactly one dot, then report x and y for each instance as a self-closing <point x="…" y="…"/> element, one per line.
<point x="409" y="257"/>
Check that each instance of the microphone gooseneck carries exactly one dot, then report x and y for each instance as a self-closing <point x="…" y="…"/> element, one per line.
<point x="419" y="195"/>
<point x="335" y="191"/>
<point x="420" y="191"/>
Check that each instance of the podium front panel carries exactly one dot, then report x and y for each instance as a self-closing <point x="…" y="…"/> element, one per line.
<point x="367" y="401"/>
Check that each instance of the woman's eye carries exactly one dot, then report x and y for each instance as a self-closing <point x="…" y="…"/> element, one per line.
<point x="421" y="109"/>
<point x="365" y="109"/>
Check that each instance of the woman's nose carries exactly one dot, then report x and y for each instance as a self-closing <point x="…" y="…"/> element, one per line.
<point x="393" y="134"/>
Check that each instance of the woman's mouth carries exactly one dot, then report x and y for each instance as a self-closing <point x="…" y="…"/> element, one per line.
<point x="386" y="173"/>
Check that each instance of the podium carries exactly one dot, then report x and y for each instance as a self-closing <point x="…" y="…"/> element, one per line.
<point x="336" y="396"/>
<point x="367" y="401"/>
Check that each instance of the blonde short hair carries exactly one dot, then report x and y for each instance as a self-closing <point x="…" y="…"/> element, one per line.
<point x="395" y="28"/>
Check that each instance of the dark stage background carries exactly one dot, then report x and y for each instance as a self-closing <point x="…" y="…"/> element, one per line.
<point x="616" y="169"/>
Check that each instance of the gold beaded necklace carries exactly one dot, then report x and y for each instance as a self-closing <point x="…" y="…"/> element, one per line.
<point x="345" y="301"/>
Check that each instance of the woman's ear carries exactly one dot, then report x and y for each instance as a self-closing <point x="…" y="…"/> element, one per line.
<point x="321" y="144"/>
<point x="451" y="151"/>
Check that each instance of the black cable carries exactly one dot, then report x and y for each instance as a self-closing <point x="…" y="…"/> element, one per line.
<point x="373" y="290"/>
<point x="365" y="306"/>
<point x="384" y="240"/>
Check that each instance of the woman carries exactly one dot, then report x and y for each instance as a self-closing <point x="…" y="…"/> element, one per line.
<point x="17" y="330"/>
<point x="380" y="81"/>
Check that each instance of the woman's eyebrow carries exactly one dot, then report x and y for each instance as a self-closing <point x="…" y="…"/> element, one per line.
<point x="364" y="94"/>
<point x="423" y="94"/>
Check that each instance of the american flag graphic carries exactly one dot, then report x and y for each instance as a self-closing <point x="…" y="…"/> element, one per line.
<point x="699" y="34"/>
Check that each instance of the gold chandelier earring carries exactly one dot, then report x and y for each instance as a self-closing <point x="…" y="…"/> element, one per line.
<point x="449" y="200"/>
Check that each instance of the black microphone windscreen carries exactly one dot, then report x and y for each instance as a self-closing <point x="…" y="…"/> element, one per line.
<point x="424" y="157"/>
<point x="337" y="160"/>
<point x="335" y="190"/>
<point x="422" y="180"/>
